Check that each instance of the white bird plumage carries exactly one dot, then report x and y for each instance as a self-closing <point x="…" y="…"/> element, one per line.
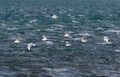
<point x="54" y="17"/>
<point x="67" y="43"/>
<point x="66" y="34"/>
<point x="17" y="40"/>
<point x="29" y="45"/>
<point x="44" y="38"/>
<point x="106" y="39"/>
<point x="84" y="39"/>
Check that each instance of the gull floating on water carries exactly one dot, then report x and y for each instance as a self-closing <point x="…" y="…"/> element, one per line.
<point x="84" y="39"/>
<point x="44" y="38"/>
<point x="54" y="17"/>
<point x="17" y="40"/>
<point x="66" y="34"/>
<point x="67" y="43"/>
<point x="106" y="39"/>
<point x="29" y="45"/>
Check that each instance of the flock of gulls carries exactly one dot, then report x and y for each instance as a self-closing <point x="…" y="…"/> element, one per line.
<point x="67" y="43"/>
<point x="66" y="35"/>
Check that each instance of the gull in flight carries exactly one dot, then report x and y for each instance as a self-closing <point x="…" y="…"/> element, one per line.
<point x="29" y="45"/>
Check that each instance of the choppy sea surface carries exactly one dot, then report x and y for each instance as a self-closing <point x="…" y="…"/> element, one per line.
<point x="29" y="20"/>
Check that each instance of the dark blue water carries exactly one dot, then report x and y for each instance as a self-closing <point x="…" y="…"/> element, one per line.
<point x="29" y="20"/>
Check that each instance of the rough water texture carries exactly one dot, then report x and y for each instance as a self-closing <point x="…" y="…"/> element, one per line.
<point x="29" y="20"/>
